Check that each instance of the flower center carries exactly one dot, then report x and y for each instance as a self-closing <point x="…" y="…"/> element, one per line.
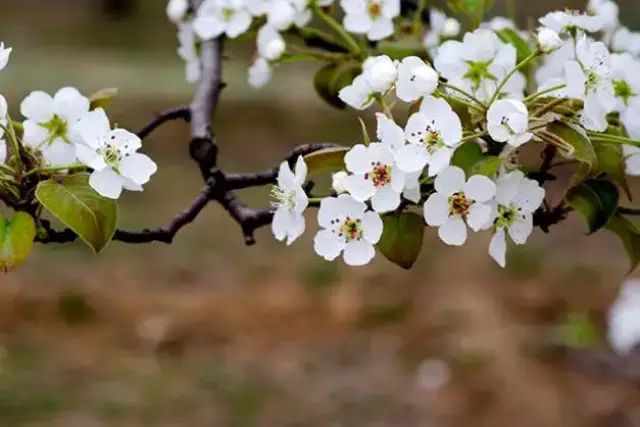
<point x="283" y="198"/>
<point x="621" y="89"/>
<point x="350" y="228"/>
<point x="477" y="72"/>
<point x="57" y="128"/>
<point x="375" y="10"/>
<point x="506" y="216"/>
<point x="227" y="14"/>
<point x="592" y="81"/>
<point x="380" y="174"/>
<point x="505" y="123"/>
<point x="459" y="205"/>
<point x="431" y="137"/>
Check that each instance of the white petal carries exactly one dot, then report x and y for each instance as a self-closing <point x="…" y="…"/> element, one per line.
<point x="138" y="167"/>
<point x="106" y="183"/>
<point x="208" y="27"/>
<point x="34" y="134"/>
<point x="92" y="126"/>
<point x="498" y="247"/>
<point x="3" y="151"/>
<point x="439" y="160"/>
<point x="327" y="245"/>
<point x="357" y="23"/>
<point x="329" y="210"/>
<point x="69" y="104"/>
<point x="449" y="181"/>
<point x="89" y="157"/>
<point x="239" y="24"/>
<point x="301" y="170"/>
<point x="296" y="228"/>
<point x="381" y="29"/>
<point x="398" y="179"/>
<point x="480" y="188"/>
<point x="453" y="232"/>
<point x="358" y="253"/>
<point x="59" y="153"/>
<point x="575" y="79"/>
<point x="37" y="106"/>
<point x="385" y="199"/>
<point x="281" y="223"/>
<point x="412" y="158"/>
<point x="389" y="132"/>
<point x="498" y="132"/>
<point x="479" y="216"/>
<point x="436" y="210"/>
<point x="372" y="227"/>
<point x="530" y="195"/>
<point x="360" y="188"/>
<point x="521" y="228"/>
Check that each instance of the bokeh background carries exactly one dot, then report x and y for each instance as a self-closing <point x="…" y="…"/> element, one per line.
<point x="208" y="332"/>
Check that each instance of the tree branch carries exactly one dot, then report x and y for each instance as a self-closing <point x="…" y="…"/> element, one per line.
<point x="183" y="113"/>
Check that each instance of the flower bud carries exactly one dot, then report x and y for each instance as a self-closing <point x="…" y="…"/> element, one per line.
<point x="451" y="27"/>
<point x="549" y="40"/>
<point x="380" y="73"/>
<point x="176" y="9"/>
<point x="338" y="182"/>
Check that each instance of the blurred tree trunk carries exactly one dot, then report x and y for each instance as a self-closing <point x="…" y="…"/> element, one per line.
<point x="118" y="8"/>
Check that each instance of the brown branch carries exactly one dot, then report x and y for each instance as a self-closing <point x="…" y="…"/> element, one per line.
<point x="183" y="113"/>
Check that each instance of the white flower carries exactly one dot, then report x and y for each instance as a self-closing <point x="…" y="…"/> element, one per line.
<point x="553" y="66"/>
<point x="457" y="203"/>
<point x="188" y="51"/>
<point x="259" y="73"/>
<point x="176" y="9"/>
<point x="626" y="80"/>
<point x="433" y="134"/>
<point x="589" y="79"/>
<point x="291" y="201"/>
<point x="216" y="17"/>
<point x="517" y="198"/>
<point x="631" y="159"/>
<point x="416" y="79"/>
<point x="112" y="154"/>
<point x="508" y="121"/>
<point x="568" y="22"/>
<point x="477" y="64"/>
<point x="280" y="14"/>
<point x="5" y="52"/>
<point x="549" y="40"/>
<point x="378" y="75"/>
<point x="623" y="40"/>
<point x="371" y="17"/>
<point x="624" y="318"/>
<point x="337" y="181"/>
<point x="608" y="12"/>
<point x="49" y="123"/>
<point x="270" y="43"/>
<point x="347" y="226"/>
<point x="440" y="26"/>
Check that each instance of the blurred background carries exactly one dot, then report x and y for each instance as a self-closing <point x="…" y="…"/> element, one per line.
<point x="208" y="332"/>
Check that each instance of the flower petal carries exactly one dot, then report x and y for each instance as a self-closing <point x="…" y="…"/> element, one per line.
<point x="498" y="247"/>
<point x="38" y="106"/>
<point x="92" y="127"/>
<point x="521" y="228"/>
<point x="436" y="210"/>
<point x="107" y="183"/>
<point x="358" y="253"/>
<point x="34" y="134"/>
<point x="88" y="156"/>
<point x="69" y="104"/>
<point x="327" y="245"/>
<point x="453" y="232"/>
<point x="412" y="158"/>
<point x="360" y="188"/>
<point x="479" y="216"/>
<point x="138" y="167"/>
<point x="372" y="227"/>
<point x="449" y="181"/>
<point x="480" y="188"/>
<point x="385" y="199"/>
<point x="439" y="160"/>
<point x="59" y="153"/>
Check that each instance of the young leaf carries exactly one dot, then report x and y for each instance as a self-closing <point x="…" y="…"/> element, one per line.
<point x="511" y="36"/>
<point x="575" y="144"/>
<point x="16" y="240"/>
<point x="401" y="239"/>
<point x="92" y="217"/>
<point x="102" y="98"/>
<point x="596" y="200"/>
<point x="466" y="156"/>
<point x="611" y="161"/>
<point x="487" y="166"/>
<point x="322" y="83"/>
<point x="331" y="159"/>
<point x="630" y="236"/>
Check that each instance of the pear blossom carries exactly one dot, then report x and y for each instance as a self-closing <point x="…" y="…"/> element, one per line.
<point x="259" y="73"/>
<point x="177" y="9"/>
<point x="291" y="201"/>
<point x="433" y="134"/>
<point x="624" y="40"/>
<point x="440" y="27"/>
<point x="416" y="79"/>
<point x="270" y="43"/>
<point x="608" y="12"/>
<point x="624" y="319"/>
<point x="371" y="17"/>
<point x="216" y="17"/>
<point x="280" y="14"/>
<point x="338" y="180"/>
<point x="553" y="63"/>
<point x="379" y="73"/>
<point x="508" y="121"/>
<point x="626" y="80"/>
<point x="477" y="64"/>
<point x="589" y="79"/>
<point x="548" y="40"/>
<point x="499" y="23"/>
<point x="458" y="203"/>
<point x="570" y="21"/>
<point x="5" y="52"/>
<point x="347" y="227"/>
<point x="517" y="198"/>
<point x="49" y="123"/>
<point x="112" y="154"/>
<point x="188" y="51"/>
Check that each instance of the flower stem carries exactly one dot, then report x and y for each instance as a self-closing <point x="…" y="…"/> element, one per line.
<point x="474" y="136"/>
<point x="460" y="100"/>
<point x="339" y="29"/>
<point x="466" y="94"/>
<point x="506" y="78"/>
<point x="531" y="97"/>
<point x="628" y="210"/>
<point x="6" y="168"/>
<point x="417" y="17"/>
<point x="596" y="136"/>
<point x="51" y="170"/>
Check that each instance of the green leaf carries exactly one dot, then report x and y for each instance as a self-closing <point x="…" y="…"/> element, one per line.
<point x="332" y="77"/>
<point x="510" y="36"/>
<point x="575" y="144"/>
<point x="401" y="239"/>
<point x="596" y="200"/>
<point x="611" y="161"/>
<point x="102" y="98"/>
<point x="630" y="236"/>
<point x="487" y="166"/>
<point x="466" y="156"/>
<point x="328" y="159"/>
<point x="92" y="217"/>
<point x="16" y="240"/>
